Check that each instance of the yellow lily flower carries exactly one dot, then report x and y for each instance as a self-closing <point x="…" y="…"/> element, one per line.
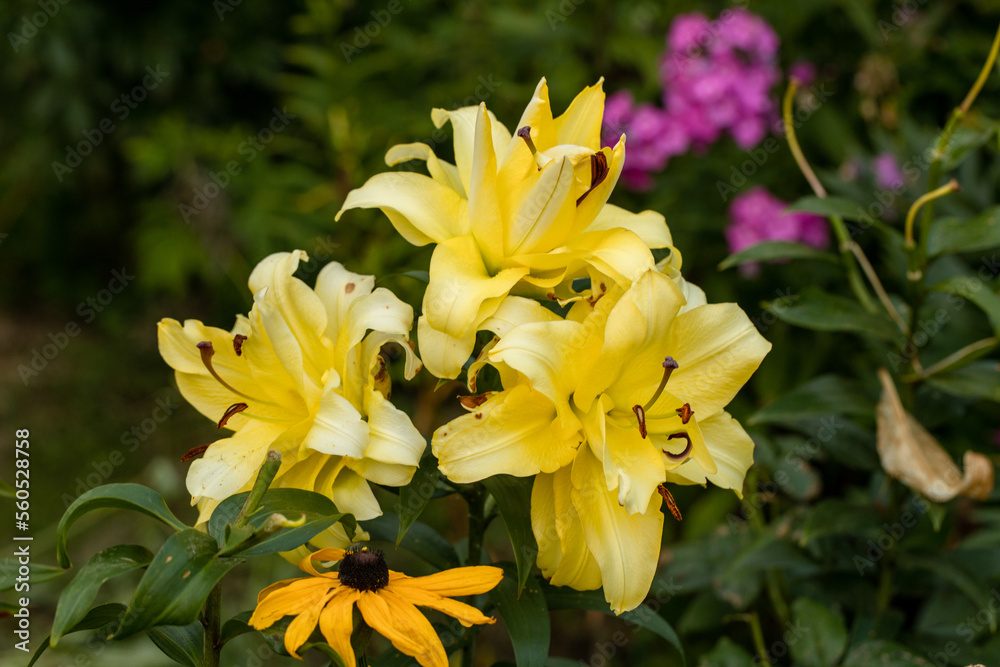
<point x="605" y="407"/>
<point x="525" y="213"/>
<point x="301" y="375"/>
<point x="386" y="600"/>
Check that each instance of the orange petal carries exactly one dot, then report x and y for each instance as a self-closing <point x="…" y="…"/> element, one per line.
<point x="328" y="554"/>
<point x="278" y="585"/>
<point x="402" y="624"/>
<point x="295" y="598"/>
<point x="303" y="625"/>
<point x="467" y="615"/>
<point x="456" y="582"/>
<point x="336" y="623"/>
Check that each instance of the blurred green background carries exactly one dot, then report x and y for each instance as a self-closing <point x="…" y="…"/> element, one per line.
<point x="123" y="126"/>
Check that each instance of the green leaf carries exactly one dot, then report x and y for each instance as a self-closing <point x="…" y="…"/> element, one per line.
<point x="823" y="634"/>
<point x="821" y="311"/>
<point x="526" y="616"/>
<point x="421" y="540"/>
<point x="829" y="207"/>
<point x="951" y="235"/>
<point x="973" y="289"/>
<point x="134" y="497"/>
<point x="177" y="583"/>
<point x="77" y="597"/>
<point x="884" y="654"/>
<point x="643" y="616"/>
<point x="320" y="513"/>
<point x="97" y="617"/>
<point x="726" y="654"/>
<point x="771" y="250"/>
<point x="37" y="572"/>
<point x="968" y="583"/>
<point x="183" y="644"/>
<point x="6" y="490"/>
<point x="413" y="497"/>
<point x="964" y="142"/>
<point x="820" y="397"/>
<point x="513" y="496"/>
<point x="236" y="626"/>
<point x="980" y="379"/>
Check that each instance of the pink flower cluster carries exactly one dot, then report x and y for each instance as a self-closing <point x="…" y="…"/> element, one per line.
<point x="717" y="77"/>
<point x="756" y="216"/>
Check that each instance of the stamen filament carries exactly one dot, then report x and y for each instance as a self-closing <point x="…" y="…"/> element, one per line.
<point x="207" y="352"/>
<point x="669" y="366"/>
<point x="525" y="133"/>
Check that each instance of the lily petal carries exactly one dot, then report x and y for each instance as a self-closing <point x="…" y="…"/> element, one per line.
<point x="625" y="546"/>
<point x="580" y="124"/>
<point x="463" y="124"/>
<point x="421" y="209"/>
<point x="514" y="433"/>
<point x="732" y="452"/>
<point x="443" y="172"/>
<point x="649" y="226"/>
<point x="563" y="555"/>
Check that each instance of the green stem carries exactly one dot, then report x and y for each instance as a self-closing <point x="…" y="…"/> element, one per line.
<point x="844" y="242"/>
<point x="211" y="618"/>
<point x="477" y="498"/>
<point x="758" y="636"/>
<point x="359" y="640"/>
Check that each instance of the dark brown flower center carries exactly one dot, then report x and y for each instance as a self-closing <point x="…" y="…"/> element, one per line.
<point x="364" y="569"/>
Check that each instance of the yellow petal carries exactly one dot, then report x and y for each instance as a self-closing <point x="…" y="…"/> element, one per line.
<point x="338" y="428"/>
<point x="513" y="433"/>
<point x="485" y="220"/>
<point x="731" y="449"/>
<point x="633" y="466"/>
<point x="580" y="124"/>
<point x="467" y="615"/>
<point x="302" y="626"/>
<point x="515" y="310"/>
<point x="230" y="463"/>
<point x="421" y="209"/>
<point x="336" y="622"/>
<point x="630" y="365"/>
<point x="625" y="546"/>
<point x="460" y="296"/>
<point x="293" y="598"/>
<point x="393" y="437"/>
<point x="538" y="116"/>
<point x="463" y="124"/>
<point x="441" y="171"/>
<point x="649" y="226"/>
<point x="351" y="493"/>
<point x="338" y="288"/>
<point x="380" y="311"/>
<point x="718" y="349"/>
<point x="456" y="582"/>
<point x="563" y="555"/>
<point x="545" y="217"/>
<point x="402" y="624"/>
<point x="301" y="311"/>
<point x="552" y="356"/>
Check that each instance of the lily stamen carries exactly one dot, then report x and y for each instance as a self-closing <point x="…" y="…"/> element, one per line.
<point x="671" y="503"/>
<point x="233" y="409"/>
<point x="525" y="133"/>
<point x="685" y="412"/>
<point x="669" y="366"/>
<point x="687" y="450"/>
<point x="598" y="172"/>
<point x="207" y="352"/>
